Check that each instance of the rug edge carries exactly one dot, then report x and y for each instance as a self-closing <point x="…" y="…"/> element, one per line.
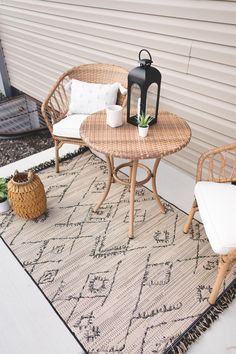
<point x="46" y="298"/>
<point x="201" y="324"/>
<point x="50" y="163"/>
<point x="38" y="168"/>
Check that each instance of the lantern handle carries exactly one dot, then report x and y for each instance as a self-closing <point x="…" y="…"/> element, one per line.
<point x="144" y="50"/>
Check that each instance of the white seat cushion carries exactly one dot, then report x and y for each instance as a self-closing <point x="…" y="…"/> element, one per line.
<point x="70" y="126"/>
<point x="217" y="207"/>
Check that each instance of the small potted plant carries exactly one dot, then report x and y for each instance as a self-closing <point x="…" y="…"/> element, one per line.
<point x="4" y="204"/>
<point x="143" y="124"/>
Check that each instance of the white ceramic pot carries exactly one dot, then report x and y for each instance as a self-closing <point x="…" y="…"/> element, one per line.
<point x="114" y="116"/>
<point x="4" y="206"/>
<point x="143" y="132"/>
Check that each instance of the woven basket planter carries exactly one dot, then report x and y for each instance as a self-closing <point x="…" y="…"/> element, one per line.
<point x="27" y="195"/>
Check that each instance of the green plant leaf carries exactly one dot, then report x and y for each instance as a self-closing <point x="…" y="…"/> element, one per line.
<point x="3" y="189"/>
<point x="144" y="120"/>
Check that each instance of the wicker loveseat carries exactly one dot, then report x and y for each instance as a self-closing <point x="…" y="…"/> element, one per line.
<point x="63" y="127"/>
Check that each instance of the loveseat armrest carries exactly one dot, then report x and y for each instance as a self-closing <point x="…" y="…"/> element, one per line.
<point x="56" y="104"/>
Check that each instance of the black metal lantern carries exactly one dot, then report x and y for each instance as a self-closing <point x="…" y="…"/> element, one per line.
<point x="141" y="78"/>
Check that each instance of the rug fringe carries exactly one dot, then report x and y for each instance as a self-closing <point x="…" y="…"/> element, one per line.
<point x="66" y="157"/>
<point x="182" y="344"/>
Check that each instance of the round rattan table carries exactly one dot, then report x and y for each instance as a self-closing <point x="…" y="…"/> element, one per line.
<point x="169" y="135"/>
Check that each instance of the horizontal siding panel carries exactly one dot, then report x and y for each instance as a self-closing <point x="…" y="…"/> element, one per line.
<point x="28" y="86"/>
<point x="189" y="154"/>
<point x="213" y="71"/>
<point x="199" y="146"/>
<point x="195" y="146"/>
<point x="201" y="85"/>
<point x="162" y="42"/>
<point x="44" y="78"/>
<point x="83" y="43"/>
<point x="181" y="159"/>
<point x="199" y="102"/>
<point x="44" y="75"/>
<point x="213" y="52"/>
<point x="182" y="163"/>
<point x="203" y="10"/>
<point x="12" y="52"/>
<point x="201" y="118"/>
<point x="72" y="50"/>
<point x="198" y="30"/>
<point x="193" y="155"/>
<point x="52" y="53"/>
<point x="214" y="11"/>
<point x="209" y="136"/>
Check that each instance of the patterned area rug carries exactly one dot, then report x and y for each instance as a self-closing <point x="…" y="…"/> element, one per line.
<point x="146" y="295"/>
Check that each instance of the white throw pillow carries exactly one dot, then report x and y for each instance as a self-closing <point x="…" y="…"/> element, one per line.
<point x="88" y="98"/>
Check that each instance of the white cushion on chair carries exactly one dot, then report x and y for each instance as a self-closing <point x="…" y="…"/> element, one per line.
<point x="69" y="126"/>
<point x="217" y="207"/>
<point x="89" y="98"/>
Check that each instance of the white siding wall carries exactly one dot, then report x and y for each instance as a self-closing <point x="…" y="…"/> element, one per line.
<point x="192" y="42"/>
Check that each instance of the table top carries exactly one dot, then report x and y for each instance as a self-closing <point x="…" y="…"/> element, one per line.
<point x="169" y="135"/>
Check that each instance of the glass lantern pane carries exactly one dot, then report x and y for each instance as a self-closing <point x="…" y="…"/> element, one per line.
<point x="134" y="99"/>
<point x="151" y="99"/>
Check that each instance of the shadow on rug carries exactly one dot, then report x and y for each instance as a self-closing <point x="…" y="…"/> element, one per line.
<point x="146" y="295"/>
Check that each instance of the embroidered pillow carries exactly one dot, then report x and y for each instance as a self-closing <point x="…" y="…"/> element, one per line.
<point x="88" y="98"/>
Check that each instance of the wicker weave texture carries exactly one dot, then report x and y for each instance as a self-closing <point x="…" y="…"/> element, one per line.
<point x="27" y="195"/>
<point x="218" y="164"/>
<point x="169" y="135"/>
<point x="56" y="105"/>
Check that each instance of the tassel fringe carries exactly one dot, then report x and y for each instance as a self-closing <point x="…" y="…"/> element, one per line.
<point x="182" y="344"/>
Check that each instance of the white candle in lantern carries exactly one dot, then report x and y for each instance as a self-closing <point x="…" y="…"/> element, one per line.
<point x="139" y="103"/>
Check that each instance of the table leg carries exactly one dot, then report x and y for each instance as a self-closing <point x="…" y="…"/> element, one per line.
<point x="132" y="195"/>
<point x="154" y="188"/>
<point x="109" y="182"/>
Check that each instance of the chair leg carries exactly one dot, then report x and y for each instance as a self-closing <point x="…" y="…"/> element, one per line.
<point x="57" y="147"/>
<point x="223" y="269"/>
<point x="190" y="217"/>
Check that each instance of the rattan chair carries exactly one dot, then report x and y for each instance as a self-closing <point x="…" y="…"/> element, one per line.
<point x="56" y="104"/>
<point x="215" y="199"/>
